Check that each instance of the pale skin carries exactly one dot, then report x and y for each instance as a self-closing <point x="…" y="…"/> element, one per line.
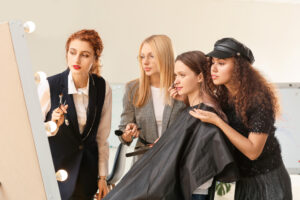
<point x="80" y="58"/>
<point x="251" y="147"/>
<point x="186" y="84"/>
<point x="150" y="67"/>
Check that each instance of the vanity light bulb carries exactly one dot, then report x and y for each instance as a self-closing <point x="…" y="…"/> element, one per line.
<point x="29" y="27"/>
<point x="50" y="127"/>
<point x="40" y="77"/>
<point x="61" y="175"/>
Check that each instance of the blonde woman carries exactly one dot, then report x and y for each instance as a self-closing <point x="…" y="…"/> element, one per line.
<point x="148" y="109"/>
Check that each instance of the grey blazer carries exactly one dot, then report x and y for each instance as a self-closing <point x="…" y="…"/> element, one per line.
<point x="144" y="116"/>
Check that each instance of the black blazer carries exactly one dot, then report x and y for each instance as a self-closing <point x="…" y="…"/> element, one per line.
<point x="76" y="153"/>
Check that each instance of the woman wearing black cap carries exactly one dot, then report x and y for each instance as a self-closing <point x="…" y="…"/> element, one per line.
<point x="251" y="106"/>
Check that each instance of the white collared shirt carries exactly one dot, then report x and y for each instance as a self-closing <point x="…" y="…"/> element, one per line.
<point x="158" y="105"/>
<point x="81" y="99"/>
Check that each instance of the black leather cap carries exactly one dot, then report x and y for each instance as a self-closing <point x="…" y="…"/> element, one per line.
<point x="229" y="47"/>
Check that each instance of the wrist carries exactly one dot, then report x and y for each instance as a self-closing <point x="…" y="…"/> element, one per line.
<point x="102" y="178"/>
<point x="219" y="122"/>
<point x="126" y="139"/>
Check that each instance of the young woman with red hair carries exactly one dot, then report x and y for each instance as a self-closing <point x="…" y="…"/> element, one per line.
<point x="250" y="104"/>
<point x="78" y="100"/>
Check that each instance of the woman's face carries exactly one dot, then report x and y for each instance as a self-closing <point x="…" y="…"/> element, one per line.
<point x="149" y="62"/>
<point x="222" y="70"/>
<point x="186" y="81"/>
<point x="80" y="57"/>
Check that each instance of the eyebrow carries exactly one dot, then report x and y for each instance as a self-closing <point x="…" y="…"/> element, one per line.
<point x="148" y="53"/>
<point x="73" y="49"/>
<point x="219" y="59"/>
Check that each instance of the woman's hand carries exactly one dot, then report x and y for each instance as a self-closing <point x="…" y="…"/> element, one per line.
<point x="205" y="116"/>
<point x="103" y="189"/>
<point x="58" y="115"/>
<point x="131" y="131"/>
<point x="174" y="94"/>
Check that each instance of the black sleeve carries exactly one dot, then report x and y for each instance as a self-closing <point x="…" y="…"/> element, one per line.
<point x="261" y="119"/>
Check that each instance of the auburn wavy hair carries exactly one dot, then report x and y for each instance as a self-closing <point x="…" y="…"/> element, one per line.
<point x="252" y="89"/>
<point x="92" y="37"/>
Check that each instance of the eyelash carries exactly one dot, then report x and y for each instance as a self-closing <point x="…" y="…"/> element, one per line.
<point x="142" y="57"/>
<point x="180" y="75"/>
<point x="84" y="55"/>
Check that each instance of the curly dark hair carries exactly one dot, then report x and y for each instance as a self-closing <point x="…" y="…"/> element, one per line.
<point x="252" y="89"/>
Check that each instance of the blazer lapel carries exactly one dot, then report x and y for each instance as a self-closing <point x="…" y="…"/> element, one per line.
<point x="92" y="107"/>
<point x="149" y="107"/>
<point x="71" y="115"/>
<point x="166" y="116"/>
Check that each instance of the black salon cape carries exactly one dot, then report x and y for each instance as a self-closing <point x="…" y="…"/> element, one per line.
<point x="188" y="154"/>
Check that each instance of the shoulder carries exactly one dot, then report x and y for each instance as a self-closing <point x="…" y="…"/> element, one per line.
<point x="58" y="80"/>
<point x="98" y="79"/>
<point x="59" y="76"/>
<point x="178" y="104"/>
<point x="261" y="106"/>
<point x="108" y="90"/>
<point x="207" y="107"/>
<point x="132" y="84"/>
<point x="131" y="87"/>
<point x="101" y="83"/>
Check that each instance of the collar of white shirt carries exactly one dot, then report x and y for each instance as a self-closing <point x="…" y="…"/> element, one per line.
<point x="72" y="89"/>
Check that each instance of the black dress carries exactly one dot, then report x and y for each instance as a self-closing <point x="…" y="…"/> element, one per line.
<point x="266" y="177"/>
<point x="188" y="154"/>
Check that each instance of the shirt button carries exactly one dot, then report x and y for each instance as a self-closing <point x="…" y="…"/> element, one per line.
<point x="80" y="147"/>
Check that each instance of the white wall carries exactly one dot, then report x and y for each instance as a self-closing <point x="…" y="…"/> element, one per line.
<point x="271" y="30"/>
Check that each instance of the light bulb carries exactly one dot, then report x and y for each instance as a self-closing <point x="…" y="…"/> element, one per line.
<point x="61" y="175"/>
<point x="50" y="127"/>
<point x="29" y="26"/>
<point x="40" y="77"/>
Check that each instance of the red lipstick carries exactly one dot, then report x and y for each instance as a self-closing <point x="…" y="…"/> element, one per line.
<point x="77" y="67"/>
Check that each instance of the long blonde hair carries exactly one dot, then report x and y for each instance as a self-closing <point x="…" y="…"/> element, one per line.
<point x="161" y="46"/>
